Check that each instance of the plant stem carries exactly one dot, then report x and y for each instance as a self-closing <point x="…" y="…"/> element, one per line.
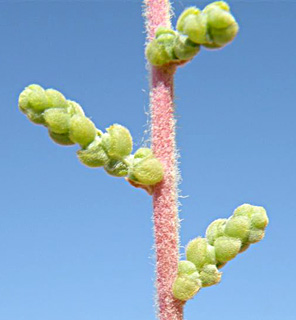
<point x="165" y="197"/>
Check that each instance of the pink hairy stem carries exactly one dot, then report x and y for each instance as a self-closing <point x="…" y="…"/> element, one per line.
<point x="165" y="196"/>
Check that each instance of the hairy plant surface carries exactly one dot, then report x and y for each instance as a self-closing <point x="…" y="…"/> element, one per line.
<point x="155" y="169"/>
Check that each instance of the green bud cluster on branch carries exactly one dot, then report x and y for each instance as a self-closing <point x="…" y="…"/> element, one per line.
<point x="213" y="27"/>
<point x="67" y="125"/>
<point x="225" y="238"/>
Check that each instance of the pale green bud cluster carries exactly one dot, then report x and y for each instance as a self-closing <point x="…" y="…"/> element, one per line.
<point x="213" y="27"/>
<point x="225" y="238"/>
<point x="188" y="282"/>
<point x="68" y="125"/>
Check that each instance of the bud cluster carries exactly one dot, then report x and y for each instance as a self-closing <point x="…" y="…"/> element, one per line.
<point x="213" y="27"/>
<point x="225" y="238"/>
<point x="68" y="125"/>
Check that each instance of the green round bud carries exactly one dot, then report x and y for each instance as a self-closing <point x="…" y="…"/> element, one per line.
<point x="259" y="220"/>
<point x="256" y="235"/>
<point x="74" y="108"/>
<point x="227" y="248"/>
<point x="23" y="101"/>
<point x="82" y="130"/>
<point x="94" y="155"/>
<point x="186" y="267"/>
<point x="199" y="252"/>
<point x="116" y="168"/>
<point x="55" y="99"/>
<point x="210" y="275"/>
<point x="215" y="230"/>
<point x="186" y="286"/>
<point x="143" y="153"/>
<point x="35" y="117"/>
<point x="33" y="97"/>
<point x="62" y="139"/>
<point x="220" y="4"/>
<point x="184" y="48"/>
<point x="223" y="36"/>
<point x="191" y="11"/>
<point x="117" y="142"/>
<point x="219" y="19"/>
<point x="148" y="171"/>
<point x="256" y="214"/>
<point x="57" y="119"/>
<point x="244" y="210"/>
<point x="196" y="29"/>
<point x="238" y="227"/>
<point x="163" y="30"/>
<point x="160" y="51"/>
<point x="221" y="25"/>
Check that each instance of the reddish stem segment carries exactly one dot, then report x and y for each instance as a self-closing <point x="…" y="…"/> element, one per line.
<point x="165" y="197"/>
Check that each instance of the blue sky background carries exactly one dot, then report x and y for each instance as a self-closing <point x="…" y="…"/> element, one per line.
<point x="76" y="244"/>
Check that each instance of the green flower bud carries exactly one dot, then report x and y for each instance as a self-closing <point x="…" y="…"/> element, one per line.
<point x="33" y="97"/>
<point x="220" y="4"/>
<point x="184" y="48"/>
<point x="116" y="168"/>
<point x="215" y="230"/>
<point x="187" y="283"/>
<point x="238" y="227"/>
<point x="200" y="253"/>
<point x="55" y="99"/>
<point x="147" y="171"/>
<point x="23" y="101"/>
<point x="221" y="37"/>
<point x="219" y="19"/>
<point x="74" y="108"/>
<point x="244" y="210"/>
<point x="35" y="117"/>
<point x="191" y="11"/>
<point x="62" y="139"/>
<point x="210" y="275"/>
<point x="226" y="248"/>
<point x="259" y="218"/>
<point x="94" y="155"/>
<point x="222" y="27"/>
<point x="196" y="29"/>
<point x="256" y="235"/>
<point x="57" y="119"/>
<point x="82" y="130"/>
<point x="117" y="142"/>
<point x="143" y="153"/>
<point x="163" y="30"/>
<point x="256" y="214"/>
<point x="186" y="267"/>
<point x="160" y="51"/>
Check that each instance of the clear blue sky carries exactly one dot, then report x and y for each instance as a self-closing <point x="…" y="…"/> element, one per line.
<point x="76" y="244"/>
